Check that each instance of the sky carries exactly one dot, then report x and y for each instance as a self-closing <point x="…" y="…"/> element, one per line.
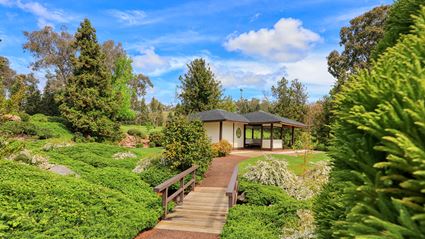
<point x="249" y="44"/>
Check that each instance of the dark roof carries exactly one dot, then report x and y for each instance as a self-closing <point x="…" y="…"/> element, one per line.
<point x="265" y="117"/>
<point x="259" y="117"/>
<point x="218" y="115"/>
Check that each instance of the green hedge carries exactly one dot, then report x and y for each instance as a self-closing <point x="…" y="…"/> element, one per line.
<point x="263" y="213"/>
<point x="39" y="204"/>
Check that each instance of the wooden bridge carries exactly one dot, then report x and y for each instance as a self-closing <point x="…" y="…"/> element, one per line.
<point x="198" y="209"/>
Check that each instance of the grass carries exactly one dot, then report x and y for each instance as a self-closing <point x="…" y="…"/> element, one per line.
<point x="143" y="128"/>
<point x="296" y="162"/>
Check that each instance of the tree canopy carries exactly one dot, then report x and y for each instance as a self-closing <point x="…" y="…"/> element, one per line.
<point x="199" y="90"/>
<point x="88" y="101"/>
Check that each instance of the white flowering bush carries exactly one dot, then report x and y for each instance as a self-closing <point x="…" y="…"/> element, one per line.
<point x="271" y="171"/>
<point x="304" y="229"/>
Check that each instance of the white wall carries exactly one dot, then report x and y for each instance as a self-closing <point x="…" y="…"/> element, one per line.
<point x="213" y="131"/>
<point x="238" y="142"/>
<point x="266" y="144"/>
<point x="277" y="143"/>
<point x="228" y="132"/>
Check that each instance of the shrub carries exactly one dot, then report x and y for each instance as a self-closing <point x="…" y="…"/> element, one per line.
<point x="136" y="132"/>
<point x="152" y="145"/>
<point x="276" y="172"/>
<point x="26" y="128"/>
<point x="221" y="149"/>
<point x="262" y="195"/>
<point x="156" y="175"/>
<point x="379" y="144"/>
<point x="157" y="138"/>
<point x="69" y="207"/>
<point x="186" y="144"/>
<point x="251" y="221"/>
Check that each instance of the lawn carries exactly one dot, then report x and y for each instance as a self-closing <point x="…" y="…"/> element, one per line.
<point x="296" y="162"/>
<point x="143" y="128"/>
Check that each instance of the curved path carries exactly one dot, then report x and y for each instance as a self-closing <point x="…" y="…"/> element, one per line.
<point x="203" y="212"/>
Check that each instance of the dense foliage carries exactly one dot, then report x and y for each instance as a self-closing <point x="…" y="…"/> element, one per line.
<point x="379" y="146"/>
<point x="399" y="22"/>
<point x="200" y="91"/>
<point x="66" y="207"/>
<point x="88" y="102"/>
<point x="221" y="149"/>
<point x="186" y="144"/>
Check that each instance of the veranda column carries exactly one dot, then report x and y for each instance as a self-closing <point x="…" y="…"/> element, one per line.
<point x="271" y="136"/>
<point x="293" y="136"/>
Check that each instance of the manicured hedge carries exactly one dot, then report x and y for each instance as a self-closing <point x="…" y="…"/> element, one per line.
<point x="39" y="204"/>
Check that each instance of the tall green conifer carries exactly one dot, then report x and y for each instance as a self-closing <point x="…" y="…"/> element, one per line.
<point x="88" y="101"/>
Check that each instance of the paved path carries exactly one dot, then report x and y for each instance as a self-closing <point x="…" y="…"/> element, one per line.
<point x="203" y="212"/>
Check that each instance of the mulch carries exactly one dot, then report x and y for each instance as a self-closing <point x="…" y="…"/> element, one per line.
<point x="218" y="175"/>
<point x="172" y="234"/>
<point x="220" y="171"/>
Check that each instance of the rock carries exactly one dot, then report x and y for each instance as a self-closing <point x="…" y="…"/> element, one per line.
<point x="62" y="170"/>
<point x="9" y="117"/>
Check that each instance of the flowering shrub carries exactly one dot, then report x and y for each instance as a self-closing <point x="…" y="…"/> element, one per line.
<point x="221" y="149"/>
<point x="304" y="228"/>
<point x="276" y="172"/>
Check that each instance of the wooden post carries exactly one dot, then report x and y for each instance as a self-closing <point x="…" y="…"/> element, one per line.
<point x="293" y="136"/>
<point x="164" y="202"/>
<point x="262" y="135"/>
<point x="244" y="135"/>
<point x="252" y="133"/>
<point x="271" y="136"/>
<point x="220" y="136"/>
<point x="194" y="180"/>
<point x="182" y="193"/>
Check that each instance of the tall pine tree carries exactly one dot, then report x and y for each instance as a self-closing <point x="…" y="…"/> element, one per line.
<point x="200" y="91"/>
<point x="88" y="101"/>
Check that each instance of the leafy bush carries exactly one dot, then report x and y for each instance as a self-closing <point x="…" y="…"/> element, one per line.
<point x="251" y="221"/>
<point x="379" y="144"/>
<point x="136" y="132"/>
<point x="221" y="149"/>
<point x="26" y="128"/>
<point x="186" y="144"/>
<point x="262" y="195"/>
<point x="157" y="138"/>
<point x="276" y="172"/>
<point x="152" y="145"/>
<point x="156" y="175"/>
<point x="68" y="207"/>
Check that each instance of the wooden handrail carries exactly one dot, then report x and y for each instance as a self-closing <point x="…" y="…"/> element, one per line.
<point x="163" y="187"/>
<point x="232" y="188"/>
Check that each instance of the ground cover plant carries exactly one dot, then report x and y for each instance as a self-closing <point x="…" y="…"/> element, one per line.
<point x="103" y="193"/>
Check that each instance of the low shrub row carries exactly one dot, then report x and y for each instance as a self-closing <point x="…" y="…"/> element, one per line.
<point x="221" y="149"/>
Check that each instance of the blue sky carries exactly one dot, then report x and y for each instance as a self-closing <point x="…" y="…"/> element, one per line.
<point x="249" y="44"/>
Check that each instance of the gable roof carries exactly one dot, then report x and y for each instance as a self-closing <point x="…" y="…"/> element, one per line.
<point x="259" y="117"/>
<point x="219" y="115"/>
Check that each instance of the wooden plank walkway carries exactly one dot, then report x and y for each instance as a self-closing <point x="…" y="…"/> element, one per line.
<point x="203" y="210"/>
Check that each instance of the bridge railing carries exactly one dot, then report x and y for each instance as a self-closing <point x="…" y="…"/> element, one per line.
<point x="163" y="188"/>
<point x="232" y="188"/>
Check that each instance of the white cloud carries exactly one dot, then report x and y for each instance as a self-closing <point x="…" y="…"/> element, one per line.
<point x="45" y="16"/>
<point x="132" y="17"/>
<point x="248" y="74"/>
<point x="287" y="41"/>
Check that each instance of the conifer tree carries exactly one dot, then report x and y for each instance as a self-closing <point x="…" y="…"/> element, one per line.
<point x="379" y="148"/>
<point x="200" y="91"/>
<point x="88" y="101"/>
